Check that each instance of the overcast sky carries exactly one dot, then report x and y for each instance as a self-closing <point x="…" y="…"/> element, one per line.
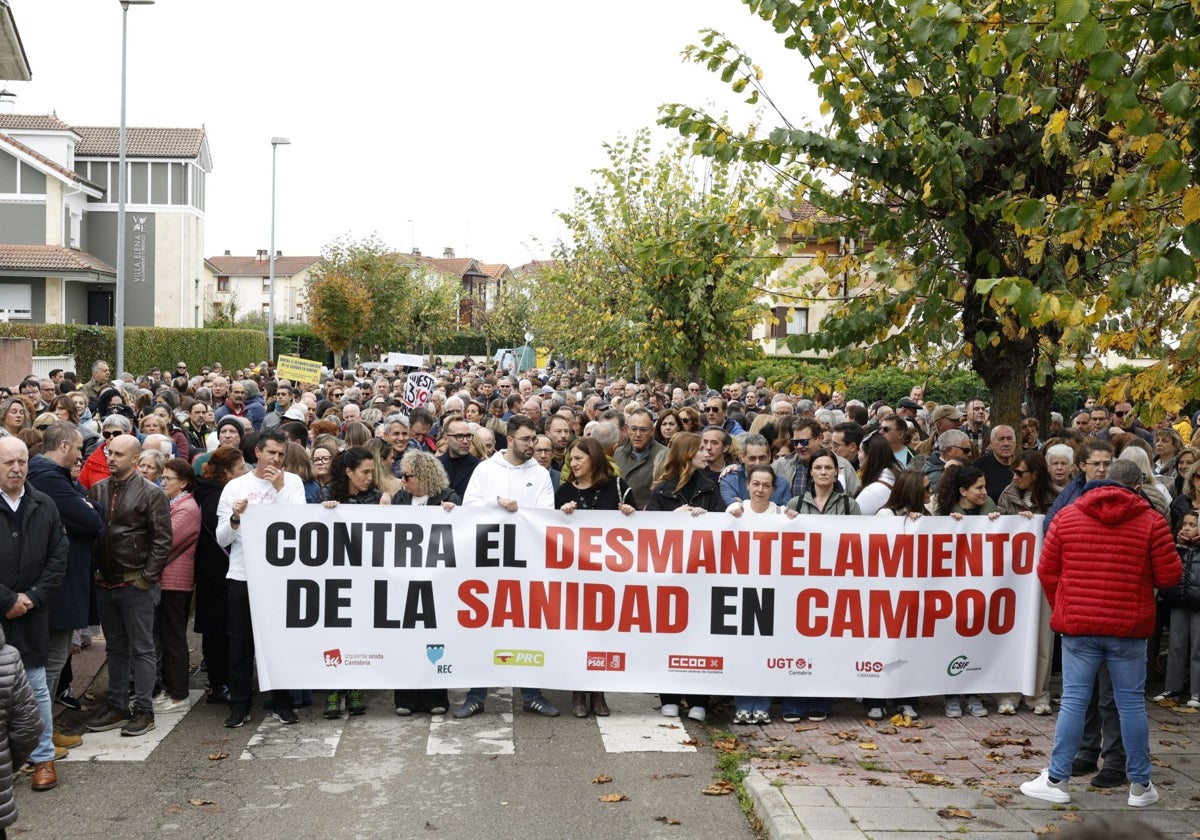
<point x="475" y="119"/>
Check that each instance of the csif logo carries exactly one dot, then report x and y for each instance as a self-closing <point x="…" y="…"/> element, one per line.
<point x="957" y="665"/>
<point x="333" y="658"/>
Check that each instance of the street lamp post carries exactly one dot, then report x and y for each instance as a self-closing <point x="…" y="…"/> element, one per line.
<point x="120" y="304"/>
<point x="276" y="142"/>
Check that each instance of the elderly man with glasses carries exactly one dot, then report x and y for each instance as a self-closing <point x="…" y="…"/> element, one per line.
<point x="637" y="455"/>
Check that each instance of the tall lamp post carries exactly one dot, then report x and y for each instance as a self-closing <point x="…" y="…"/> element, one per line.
<point x="276" y="142"/>
<point x="121" y="177"/>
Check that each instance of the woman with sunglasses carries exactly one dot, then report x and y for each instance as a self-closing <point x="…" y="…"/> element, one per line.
<point x="424" y="482"/>
<point x="689" y="419"/>
<point x="1032" y="492"/>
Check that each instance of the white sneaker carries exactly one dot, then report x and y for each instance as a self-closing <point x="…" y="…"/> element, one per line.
<point x="171" y="706"/>
<point x="909" y="712"/>
<point x="875" y="713"/>
<point x="1048" y="791"/>
<point x="1142" y="795"/>
<point x="670" y="710"/>
<point x="1194" y="702"/>
<point x="953" y="709"/>
<point x="976" y="708"/>
<point x="697" y="714"/>
<point x="1042" y="709"/>
<point x="1005" y="709"/>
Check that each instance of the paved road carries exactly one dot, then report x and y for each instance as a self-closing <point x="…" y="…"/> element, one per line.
<point x="502" y="774"/>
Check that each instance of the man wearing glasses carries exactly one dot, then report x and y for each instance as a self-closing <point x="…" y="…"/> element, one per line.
<point x="1124" y="419"/>
<point x="510" y="481"/>
<point x="714" y="415"/>
<point x="457" y="459"/>
<point x="637" y="455"/>
<point x="806" y="437"/>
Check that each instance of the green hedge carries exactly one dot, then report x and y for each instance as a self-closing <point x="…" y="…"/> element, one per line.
<point x="456" y="344"/>
<point x="145" y="347"/>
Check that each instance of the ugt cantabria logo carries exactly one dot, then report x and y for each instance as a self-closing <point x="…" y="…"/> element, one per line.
<point x="435" y="652"/>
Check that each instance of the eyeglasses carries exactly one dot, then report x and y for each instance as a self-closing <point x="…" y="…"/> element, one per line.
<point x="639" y="430"/>
<point x="112" y="433"/>
<point x="322" y="459"/>
<point x="1098" y="465"/>
<point x="542" y="450"/>
<point x="462" y="438"/>
<point x="801" y="442"/>
<point x="1120" y="413"/>
<point x="523" y="440"/>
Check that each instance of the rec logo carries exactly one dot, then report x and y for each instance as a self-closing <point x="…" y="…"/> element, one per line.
<point x="699" y="664"/>
<point x="599" y="660"/>
<point x="527" y="658"/>
<point x="333" y="657"/>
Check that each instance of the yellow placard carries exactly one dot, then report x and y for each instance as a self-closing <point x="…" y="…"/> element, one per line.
<point x="298" y="370"/>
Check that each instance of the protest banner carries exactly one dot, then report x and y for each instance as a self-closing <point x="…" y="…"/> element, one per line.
<point x="406" y="597"/>
<point x="297" y="369"/>
<point x="417" y="388"/>
<point x="405" y="359"/>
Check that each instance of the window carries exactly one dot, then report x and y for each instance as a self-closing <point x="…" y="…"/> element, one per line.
<point x="790" y="320"/>
<point x="266" y="310"/>
<point x="222" y="284"/>
<point x="16" y="302"/>
<point x="267" y="283"/>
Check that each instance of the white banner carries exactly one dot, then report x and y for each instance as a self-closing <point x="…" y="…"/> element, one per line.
<point x="417" y="389"/>
<point x="405" y="359"/>
<point x="406" y="597"/>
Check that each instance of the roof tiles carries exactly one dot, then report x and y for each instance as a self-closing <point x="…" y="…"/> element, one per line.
<point x="51" y="258"/>
<point x="105" y="141"/>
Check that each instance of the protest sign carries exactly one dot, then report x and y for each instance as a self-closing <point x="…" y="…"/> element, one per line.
<point x="395" y="597"/>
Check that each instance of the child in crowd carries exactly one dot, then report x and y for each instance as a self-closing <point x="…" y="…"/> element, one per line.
<point x="1183" y="649"/>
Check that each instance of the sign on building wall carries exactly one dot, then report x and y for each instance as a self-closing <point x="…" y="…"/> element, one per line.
<point x="140" y="248"/>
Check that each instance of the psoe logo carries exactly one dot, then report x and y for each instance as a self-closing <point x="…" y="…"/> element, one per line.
<point x="600" y="660"/>
<point x="703" y="664"/>
<point x="333" y="658"/>
<point x="527" y="658"/>
<point x="957" y="665"/>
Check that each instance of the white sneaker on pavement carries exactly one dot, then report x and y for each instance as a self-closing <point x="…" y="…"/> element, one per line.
<point x="1142" y="795"/>
<point x="670" y="710"/>
<point x="1048" y="791"/>
<point x="697" y="714"/>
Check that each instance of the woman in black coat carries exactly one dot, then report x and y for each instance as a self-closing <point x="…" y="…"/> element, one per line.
<point x="212" y="564"/>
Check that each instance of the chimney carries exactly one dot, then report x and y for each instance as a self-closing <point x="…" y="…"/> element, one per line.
<point x="416" y="252"/>
<point x="447" y="253"/>
<point x="261" y="255"/>
<point x="278" y="254"/>
<point x="227" y="253"/>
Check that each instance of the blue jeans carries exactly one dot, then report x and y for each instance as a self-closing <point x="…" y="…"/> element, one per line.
<point x="44" y="751"/>
<point x="801" y="706"/>
<point x="528" y="695"/>
<point x="743" y="703"/>
<point x="1081" y="661"/>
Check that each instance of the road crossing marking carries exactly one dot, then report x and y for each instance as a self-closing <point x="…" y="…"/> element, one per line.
<point x="113" y="746"/>
<point x="651" y="732"/>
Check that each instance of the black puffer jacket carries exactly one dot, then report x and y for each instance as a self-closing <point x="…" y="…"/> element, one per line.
<point x="700" y="491"/>
<point x="20" y="726"/>
<point x="1186" y="594"/>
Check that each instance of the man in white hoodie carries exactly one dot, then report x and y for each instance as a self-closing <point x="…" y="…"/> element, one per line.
<point x="511" y="480"/>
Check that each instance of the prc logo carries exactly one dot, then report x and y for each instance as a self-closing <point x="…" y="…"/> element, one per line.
<point x="957" y="665"/>
<point x="527" y="658"/>
<point x="333" y="658"/>
<point x="434" y="652"/>
<point x="599" y="660"/>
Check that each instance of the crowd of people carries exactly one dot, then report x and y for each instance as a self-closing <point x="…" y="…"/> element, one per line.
<point x="128" y="494"/>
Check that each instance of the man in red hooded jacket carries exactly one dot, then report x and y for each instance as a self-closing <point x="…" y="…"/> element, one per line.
<point x="1104" y="556"/>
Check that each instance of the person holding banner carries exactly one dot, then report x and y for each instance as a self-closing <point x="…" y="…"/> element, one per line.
<point x="267" y="484"/>
<point x="591" y="484"/>
<point x="684" y="485"/>
<point x="511" y="480"/>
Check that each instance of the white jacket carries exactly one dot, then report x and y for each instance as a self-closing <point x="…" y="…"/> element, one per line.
<point x="496" y="478"/>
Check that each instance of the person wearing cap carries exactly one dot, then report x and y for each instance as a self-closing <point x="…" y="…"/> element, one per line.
<point x="943" y="418"/>
<point x="908" y="408"/>
<point x="230" y="431"/>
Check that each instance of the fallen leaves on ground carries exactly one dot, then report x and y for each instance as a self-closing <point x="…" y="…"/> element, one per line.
<point x="999" y="798"/>
<point x="900" y="720"/>
<point x="668" y="726"/>
<point x="726" y="744"/>
<point x="1072" y="818"/>
<point x="217" y="756"/>
<point x="1000" y="741"/>
<point x="614" y="797"/>
<point x="868" y="745"/>
<point x="1046" y="829"/>
<point x="602" y="779"/>
<point x="1158" y="762"/>
<point x="722" y="787"/>
<point x="667" y="820"/>
<point x="690" y="742"/>
<point x="876" y="782"/>
<point x="1167" y="703"/>
<point x="954" y="758"/>
<point x="955" y="814"/>
<point x="924" y="777"/>
<point x="1166" y="727"/>
<point x="995" y="756"/>
<point x="845" y="736"/>
<point x="805" y="728"/>
<point x="661" y="776"/>
<point x="199" y="802"/>
<point x="912" y="739"/>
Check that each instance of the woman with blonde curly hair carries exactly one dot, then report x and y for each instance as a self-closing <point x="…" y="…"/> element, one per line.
<point x="424" y="482"/>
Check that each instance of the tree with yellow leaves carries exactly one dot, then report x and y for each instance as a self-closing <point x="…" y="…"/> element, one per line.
<point x="1023" y="175"/>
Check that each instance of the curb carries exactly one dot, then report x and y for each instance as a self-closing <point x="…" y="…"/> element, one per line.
<point x="779" y="821"/>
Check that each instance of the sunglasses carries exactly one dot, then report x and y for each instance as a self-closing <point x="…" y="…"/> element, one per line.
<point x="1020" y="473"/>
<point x="801" y="442"/>
<point x="407" y="476"/>
<point x="112" y="434"/>
<point x="711" y="408"/>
